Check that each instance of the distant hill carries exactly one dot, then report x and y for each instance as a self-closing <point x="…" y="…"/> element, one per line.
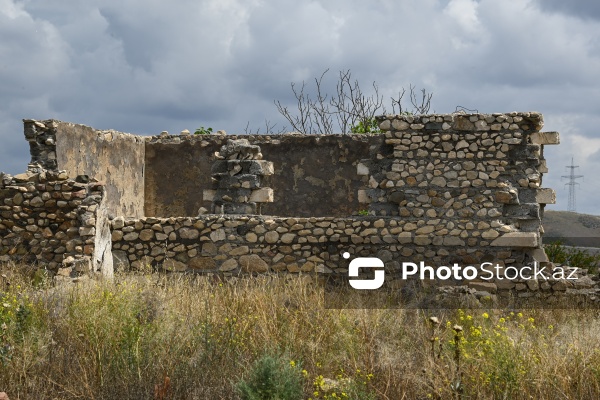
<point x="571" y="228"/>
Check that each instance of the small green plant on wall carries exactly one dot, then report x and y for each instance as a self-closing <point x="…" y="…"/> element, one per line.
<point x="203" y="131"/>
<point x="367" y="126"/>
<point x="363" y="212"/>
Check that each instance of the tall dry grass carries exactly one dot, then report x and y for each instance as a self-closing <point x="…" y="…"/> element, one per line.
<point x="184" y="337"/>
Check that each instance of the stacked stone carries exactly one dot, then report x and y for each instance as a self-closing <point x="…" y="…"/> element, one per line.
<point x="441" y="189"/>
<point x="214" y="243"/>
<point x="238" y="174"/>
<point x="50" y="220"/>
<point x="233" y="245"/>
<point x="479" y="170"/>
<point x="41" y="136"/>
<point x="580" y="289"/>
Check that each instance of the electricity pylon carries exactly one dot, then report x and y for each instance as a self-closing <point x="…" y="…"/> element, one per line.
<point x="572" y="183"/>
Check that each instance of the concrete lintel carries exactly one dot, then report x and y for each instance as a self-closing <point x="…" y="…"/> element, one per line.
<point x="545" y="138"/>
<point x="517" y="239"/>
<point x="545" y="196"/>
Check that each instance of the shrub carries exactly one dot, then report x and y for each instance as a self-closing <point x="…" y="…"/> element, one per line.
<point x="272" y="378"/>
<point x="561" y="254"/>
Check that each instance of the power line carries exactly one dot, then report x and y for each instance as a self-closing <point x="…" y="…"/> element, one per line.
<point x="572" y="183"/>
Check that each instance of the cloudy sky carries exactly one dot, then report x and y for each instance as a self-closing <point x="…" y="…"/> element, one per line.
<point x="144" y="66"/>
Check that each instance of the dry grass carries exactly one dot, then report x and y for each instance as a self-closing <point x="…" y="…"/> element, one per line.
<point x="159" y="337"/>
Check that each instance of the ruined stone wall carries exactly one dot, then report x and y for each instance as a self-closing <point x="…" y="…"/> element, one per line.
<point x="115" y="158"/>
<point x="444" y="189"/>
<point x="314" y="175"/>
<point x="215" y="243"/>
<point x="475" y="178"/>
<point x="49" y="220"/>
<point x="231" y="245"/>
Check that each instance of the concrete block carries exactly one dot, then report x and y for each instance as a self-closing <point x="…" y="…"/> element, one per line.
<point x="363" y="197"/>
<point x="545" y="196"/>
<point x="260" y="167"/>
<point x="545" y="138"/>
<point x="517" y="239"/>
<point x="263" y="195"/>
<point x="522" y="211"/>
<point x="208" y="194"/>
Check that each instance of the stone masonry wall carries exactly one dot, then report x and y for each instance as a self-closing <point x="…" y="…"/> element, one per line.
<point x="230" y="245"/>
<point x="112" y="157"/>
<point x="477" y="176"/>
<point x="444" y="189"/>
<point x="216" y="243"/>
<point x="314" y="175"/>
<point x="57" y="223"/>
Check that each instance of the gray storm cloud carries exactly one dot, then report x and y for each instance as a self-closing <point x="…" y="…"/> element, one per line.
<point x="143" y="67"/>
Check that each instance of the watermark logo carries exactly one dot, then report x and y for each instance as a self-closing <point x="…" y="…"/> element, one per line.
<point x="487" y="272"/>
<point x="365" y="262"/>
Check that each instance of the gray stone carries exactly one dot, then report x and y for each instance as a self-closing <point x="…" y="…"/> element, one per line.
<point x="238" y="251"/>
<point x="438" y="181"/>
<point x="362" y="169"/>
<point x="288" y="238"/>
<point x="174" y="266"/>
<point x="483" y="286"/>
<point x="209" y="249"/>
<point x="146" y="234"/>
<point x="271" y="237"/>
<point x="131" y="236"/>
<point x="120" y="261"/>
<point x="36" y="202"/>
<point x="218" y="235"/>
<point x="189" y="233"/>
<point x="253" y="263"/>
<point x="87" y="231"/>
<point x="202" y="263"/>
<point x="397" y="197"/>
<point x="228" y="265"/>
<point x="118" y="223"/>
<point x="453" y="241"/>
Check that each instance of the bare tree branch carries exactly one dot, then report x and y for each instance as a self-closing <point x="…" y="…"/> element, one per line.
<point x="398" y="102"/>
<point x="425" y="105"/>
<point x="350" y="107"/>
